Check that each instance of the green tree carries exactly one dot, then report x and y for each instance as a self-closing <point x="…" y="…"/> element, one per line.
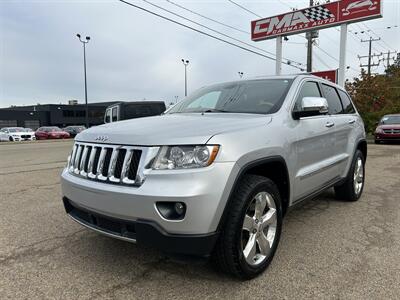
<point x="377" y="95"/>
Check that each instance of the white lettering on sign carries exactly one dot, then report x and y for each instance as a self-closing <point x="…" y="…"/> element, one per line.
<point x="287" y="23"/>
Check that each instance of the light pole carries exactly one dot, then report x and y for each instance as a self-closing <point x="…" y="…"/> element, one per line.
<point x="185" y="63"/>
<point x="240" y="74"/>
<point x="84" y="42"/>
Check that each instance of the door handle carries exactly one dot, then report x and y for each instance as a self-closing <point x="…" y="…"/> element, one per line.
<point x="352" y="121"/>
<point x="329" y="124"/>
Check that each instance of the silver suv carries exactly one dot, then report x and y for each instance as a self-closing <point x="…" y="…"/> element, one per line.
<point x="216" y="173"/>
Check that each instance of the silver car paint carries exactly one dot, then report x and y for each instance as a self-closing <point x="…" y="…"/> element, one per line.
<point x="315" y="155"/>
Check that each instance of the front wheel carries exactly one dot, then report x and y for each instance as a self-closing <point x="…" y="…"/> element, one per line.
<point x="352" y="188"/>
<point x="252" y="228"/>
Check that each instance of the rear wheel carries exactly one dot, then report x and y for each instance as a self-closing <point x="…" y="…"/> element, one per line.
<point x="252" y="229"/>
<point x="11" y="139"/>
<point x="353" y="186"/>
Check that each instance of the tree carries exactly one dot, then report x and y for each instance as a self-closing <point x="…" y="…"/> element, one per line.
<point x="375" y="96"/>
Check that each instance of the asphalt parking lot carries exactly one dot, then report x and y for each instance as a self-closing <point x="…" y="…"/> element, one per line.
<point x="329" y="249"/>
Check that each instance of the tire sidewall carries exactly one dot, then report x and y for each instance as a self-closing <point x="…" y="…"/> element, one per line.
<point x="266" y="186"/>
<point x="357" y="155"/>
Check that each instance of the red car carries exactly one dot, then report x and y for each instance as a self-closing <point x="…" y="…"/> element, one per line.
<point x="51" y="132"/>
<point x="388" y="129"/>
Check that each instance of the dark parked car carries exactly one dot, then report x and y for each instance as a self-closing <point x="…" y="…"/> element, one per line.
<point x="388" y="129"/>
<point x="74" y="130"/>
<point x="51" y="132"/>
<point x="132" y="110"/>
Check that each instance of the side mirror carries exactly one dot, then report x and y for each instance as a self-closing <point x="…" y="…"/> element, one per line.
<point x="311" y="106"/>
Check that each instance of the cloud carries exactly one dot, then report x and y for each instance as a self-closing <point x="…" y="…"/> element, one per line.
<point x="133" y="55"/>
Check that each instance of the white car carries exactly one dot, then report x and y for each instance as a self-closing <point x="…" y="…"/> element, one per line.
<point x="16" y="134"/>
<point x="3" y="136"/>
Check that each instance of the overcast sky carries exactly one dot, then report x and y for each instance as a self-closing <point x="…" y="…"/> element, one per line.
<point x="133" y="55"/>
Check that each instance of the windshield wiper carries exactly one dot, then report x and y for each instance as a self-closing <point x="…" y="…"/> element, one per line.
<point x="210" y="110"/>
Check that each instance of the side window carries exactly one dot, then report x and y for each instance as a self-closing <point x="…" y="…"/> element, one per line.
<point x="308" y="89"/>
<point x="331" y="95"/>
<point x="108" y="116"/>
<point x="114" y="114"/>
<point x="348" y="107"/>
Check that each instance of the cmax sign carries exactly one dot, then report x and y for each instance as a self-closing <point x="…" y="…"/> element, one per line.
<point x="316" y="17"/>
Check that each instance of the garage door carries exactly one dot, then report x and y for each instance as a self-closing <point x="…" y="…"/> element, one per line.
<point x="34" y="124"/>
<point x="8" y="123"/>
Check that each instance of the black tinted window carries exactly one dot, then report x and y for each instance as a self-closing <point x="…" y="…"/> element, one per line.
<point x="108" y="113"/>
<point x="348" y="107"/>
<point x="331" y="95"/>
<point x="308" y="89"/>
<point x="114" y="114"/>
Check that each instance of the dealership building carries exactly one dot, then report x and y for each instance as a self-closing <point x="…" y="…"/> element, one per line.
<point x="60" y="115"/>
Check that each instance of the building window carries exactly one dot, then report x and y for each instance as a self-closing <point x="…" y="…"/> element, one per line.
<point x="68" y="113"/>
<point x="80" y="113"/>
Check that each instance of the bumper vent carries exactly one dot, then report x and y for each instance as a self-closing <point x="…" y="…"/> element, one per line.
<point x="107" y="163"/>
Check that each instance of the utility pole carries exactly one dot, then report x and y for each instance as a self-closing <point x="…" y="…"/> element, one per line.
<point x="309" y="45"/>
<point x="370" y="54"/>
<point x="388" y="58"/>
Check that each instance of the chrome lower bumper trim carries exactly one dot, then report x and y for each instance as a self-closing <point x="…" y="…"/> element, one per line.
<point x="102" y="231"/>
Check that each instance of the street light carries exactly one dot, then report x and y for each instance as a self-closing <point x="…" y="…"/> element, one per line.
<point x="84" y="42"/>
<point x="240" y="74"/>
<point x="185" y="63"/>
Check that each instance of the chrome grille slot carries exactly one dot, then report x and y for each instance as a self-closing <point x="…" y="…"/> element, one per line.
<point x="115" y="164"/>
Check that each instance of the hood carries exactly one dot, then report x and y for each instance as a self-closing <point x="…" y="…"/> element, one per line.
<point x="171" y="129"/>
<point x="21" y="133"/>
<point x="389" y="126"/>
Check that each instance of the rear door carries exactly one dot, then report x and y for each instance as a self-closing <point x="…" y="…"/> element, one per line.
<point x="341" y="127"/>
<point x="348" y="139"/>
<point x="313" y="145"/>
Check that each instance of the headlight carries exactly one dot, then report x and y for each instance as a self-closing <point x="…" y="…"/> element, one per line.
<point x="185" y="157"/>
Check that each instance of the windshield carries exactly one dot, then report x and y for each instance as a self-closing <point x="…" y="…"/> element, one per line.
<point x="52" y="129"/>
<point x="390" y="120"/>
<point x="16" y="129"/>
<point x="255" y="96"/>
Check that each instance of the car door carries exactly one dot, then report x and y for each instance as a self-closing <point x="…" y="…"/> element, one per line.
<point x="347" y="136"/>
<point x="341" y="127"/>
<point x="313" y="146"/>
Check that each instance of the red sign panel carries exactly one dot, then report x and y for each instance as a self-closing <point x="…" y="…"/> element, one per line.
<point x="316" y="17"/>
<point x="330" y="75"/>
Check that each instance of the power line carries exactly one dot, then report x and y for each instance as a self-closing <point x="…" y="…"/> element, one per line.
<point x="213" y="30"/>
<point x="202" y="32"/>
<point x="244" y="8"/>
<point x="205" y="17"/>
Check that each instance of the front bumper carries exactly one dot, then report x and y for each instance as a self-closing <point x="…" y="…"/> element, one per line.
<point x="387" y="137"/>
<point x="204" y="191"/>
<point x="143" y="232"/>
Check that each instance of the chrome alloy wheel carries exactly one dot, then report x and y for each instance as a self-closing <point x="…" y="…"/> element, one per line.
<point x="358" y="177"/>
<point x="259" y="228"/>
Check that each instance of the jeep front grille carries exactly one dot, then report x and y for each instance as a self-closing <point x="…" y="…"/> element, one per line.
<point x="108" y="163"/>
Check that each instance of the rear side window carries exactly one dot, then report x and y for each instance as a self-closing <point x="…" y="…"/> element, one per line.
<point x="308" y="89"/>
<point x="348" y="107"/>
<point x="331" y="95"/>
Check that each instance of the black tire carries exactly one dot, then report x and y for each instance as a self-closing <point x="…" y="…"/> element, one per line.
<point x="11" y="139"/>
<point x="346" y="191"/>
<point x="228" y="253"/>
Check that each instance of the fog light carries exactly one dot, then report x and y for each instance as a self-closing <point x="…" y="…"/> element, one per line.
<point x="172" y="210"/>
<point x="179" y="208"/>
